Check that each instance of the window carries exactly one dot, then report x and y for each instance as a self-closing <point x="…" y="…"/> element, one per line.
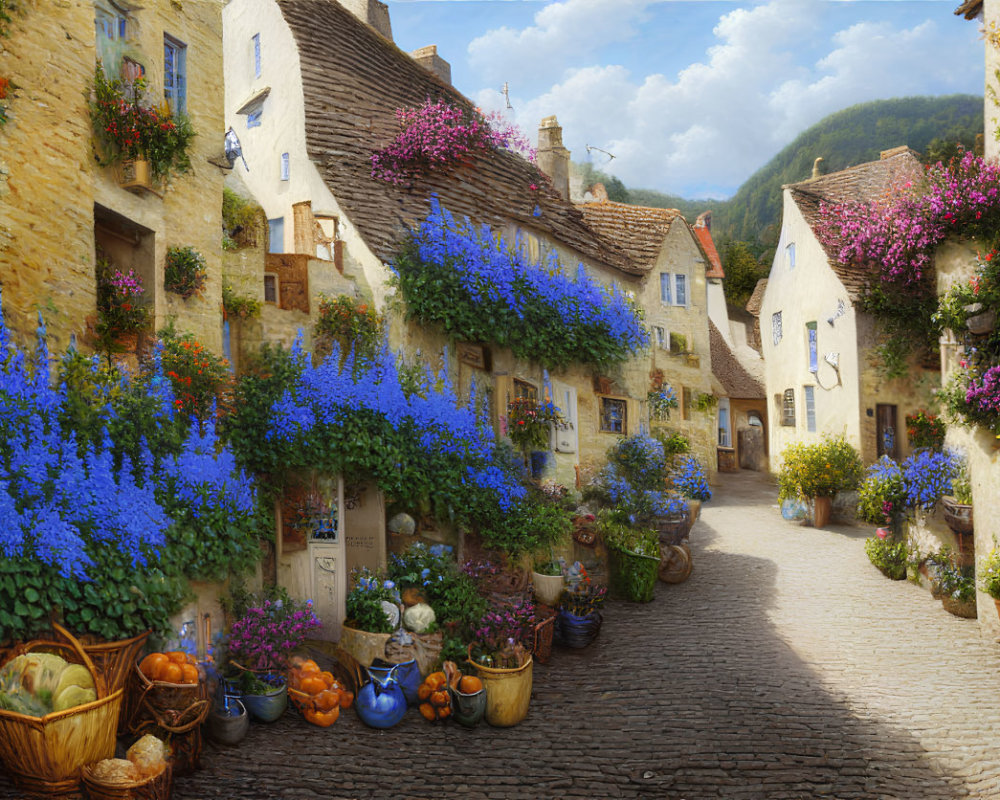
<point x="276" y="235"/>
<point x="665" y="287"/>
<point x="660" y="335"/>
<point x="680" y="285"/>
<point x="725" y="435"/>
<point x="614" y="416"/>
<point x="565" y="435"/>
<point x="285" y="169"/>
<point x="678" y="343"/>
<point x="270" y="288"/>
<point x="525" y="391"/>
<point x="256" y="55"/>
<point x="673" y="289"/>
<point x="776" y="327"/>
<point x="790" y="255"/>
<point x="788" y="408"/>
<point x="811" y="339"/>
<point x="810" y="395"/>
<point x="175" y="75"/>
<point x="111" y="23"/>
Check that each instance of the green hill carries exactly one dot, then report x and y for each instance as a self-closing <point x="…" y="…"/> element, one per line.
<point x="852" y="136"/>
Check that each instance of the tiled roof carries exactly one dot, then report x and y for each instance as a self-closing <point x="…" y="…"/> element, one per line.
<point x="970" y="9"/>
<point x="737" y="382"/>
<point x="704" y="233"/>
<point x="757" y="298"/>
<point x="353" y="81"/>
<point x="637" y="230"/>
<point x="869" y="181"/>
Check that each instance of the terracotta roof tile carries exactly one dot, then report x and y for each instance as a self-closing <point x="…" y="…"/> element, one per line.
<point x="869" y="181"/>
<point x="353" y="81"/>
<point x="757" y="298"/>
<point x="637" y="230"/>
<point x="737" y="382"/>
<point x="704" y="233"/>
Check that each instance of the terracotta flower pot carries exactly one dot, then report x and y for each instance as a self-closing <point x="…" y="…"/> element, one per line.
<point x="822" y="509"/>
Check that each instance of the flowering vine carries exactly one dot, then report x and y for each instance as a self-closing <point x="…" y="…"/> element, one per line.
<point x="475" y="286"/>
<point x="437" y="134"/>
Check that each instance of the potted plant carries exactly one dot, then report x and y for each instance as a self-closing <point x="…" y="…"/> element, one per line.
<point x="547" y="579"/>
<point x="886" y="554"/>
<point x="145" y="143"/>
<point x="529" y="423"/>
<point x="579" y="619"/>
<point x="261" y="640"/>
<point x="372" y="609"/>
<point x="957" y="506"/>
<point x="989" y="576"/>
<point x="958" y="591"/>
<point x="818" y="472"/>
<point x="184" y="272"/>
<point x="121" y="313"/>
<point x="633" y="558"/>
<point x="925" y="431"/>
<point x="502" y="662"/>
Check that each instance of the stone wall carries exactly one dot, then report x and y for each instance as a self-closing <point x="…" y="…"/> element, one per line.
<point x="51" y="184"/>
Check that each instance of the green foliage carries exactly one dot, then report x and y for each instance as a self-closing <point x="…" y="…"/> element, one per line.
<point x="989" y="573"/>
<point x="888" y="556"/>
<point x="743" y="271"/>
<point x="268" y="373"/>
<point x="961" y="484"/>
<point x="904" y="319"/>
<point x="449" y="591"/>
<point x="537" y="524"/>
<point x="674" y="443"/>
<point x="925" y="430"/>
<point x="819" y="470"/>
<point x="354" y="324"/>
<point x="363" y="607"/>
<point x="201" y="380"/>
<point x="184" y="272"/>
<point x="239" y="305"/>
<point x="678" y="343"/>
<point x="238" y="213"/>
<point x="617" y="193"/>
<point x="882" y="494"/>
<point x="622" y="536"/>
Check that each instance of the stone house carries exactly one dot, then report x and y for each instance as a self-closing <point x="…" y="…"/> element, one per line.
<point x="675" y="271"/>
<point x="819" y="347"/>
<point x="312" y="91"/>
<point x="737" y="367"/>
<point x="59" y="207"/>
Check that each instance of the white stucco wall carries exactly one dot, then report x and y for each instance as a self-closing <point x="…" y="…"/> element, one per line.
<point x="991" y="115"/>
<point x="809" y="292"/>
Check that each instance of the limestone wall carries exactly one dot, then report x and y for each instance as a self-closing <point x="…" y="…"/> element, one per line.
<point x="50" y="182"/>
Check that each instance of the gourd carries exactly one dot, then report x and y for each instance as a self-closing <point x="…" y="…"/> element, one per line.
<point x="418" y="618"/>
<point x="316" y="693"/>
<point x="435" y="703"/>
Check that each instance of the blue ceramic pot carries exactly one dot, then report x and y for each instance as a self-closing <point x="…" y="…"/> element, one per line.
<point x="406" y="674"/>
<point x="381" y="703"/>
<point x="574" y="631"/>
<point x="267" y="707"/>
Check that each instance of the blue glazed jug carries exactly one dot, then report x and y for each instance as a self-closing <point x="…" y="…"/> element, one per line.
<point x="406" y="674"/>
<point x="380" y="702"/>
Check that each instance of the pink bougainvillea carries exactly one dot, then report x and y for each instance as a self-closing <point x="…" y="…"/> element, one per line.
<point x="435" y="134"/>
<point x="896" y="235"/>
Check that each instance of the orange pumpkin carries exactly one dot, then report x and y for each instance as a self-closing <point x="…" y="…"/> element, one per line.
<point x="439" y="699"/>
<point x="322" y="718"/>
<point x="425" y="691"/>
<point x="428" y="712"/>
<point x="308" y="666"/>
<point x="327" y="699"/>
<point x="346" y="698"/>
<point x="312" y="683"/>
<point x="170" y="672"/>
<point x="470" y="684"/>
<point x="177" y="656"/>
<point x="151" y="665"/>
<point x="327" y="678"/>
<point x="436" y="680"/>
<point x="444" y="712"/>
<point x="189" y="673"/>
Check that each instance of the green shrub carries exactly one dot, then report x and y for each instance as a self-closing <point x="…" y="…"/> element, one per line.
<point x="888" y="556"/>
<point x="819" y="470"/>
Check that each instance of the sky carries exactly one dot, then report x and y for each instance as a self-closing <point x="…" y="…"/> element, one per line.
<point x="691" y="97"/>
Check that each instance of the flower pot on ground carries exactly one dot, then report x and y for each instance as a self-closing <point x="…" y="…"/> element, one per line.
<point x="579" y="619"/>
<point x="508" y="689"/>
<point x="633" y="559"/>
<point x="547" y="581"/>
<point x="819" y="470"/>
<point x="957" y="515"/>
<point x="822" y="511"/>
<point x="265" y="696"/>
<point x="228" y="724"/>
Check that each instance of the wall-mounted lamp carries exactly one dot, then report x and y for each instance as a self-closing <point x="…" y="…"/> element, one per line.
<point x="841" y="310"/>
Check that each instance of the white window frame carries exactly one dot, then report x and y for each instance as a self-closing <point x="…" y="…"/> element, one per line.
<point x="681" y="286"/>
<point x="809" y="394"/>
<point x="672" y="286"/>
<point x="662" y="337"/>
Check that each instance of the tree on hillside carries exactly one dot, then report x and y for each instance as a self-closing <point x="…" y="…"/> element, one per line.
<point x="742" y="270"/>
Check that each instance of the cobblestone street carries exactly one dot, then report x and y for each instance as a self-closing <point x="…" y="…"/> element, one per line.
<point x="785" y="667"/>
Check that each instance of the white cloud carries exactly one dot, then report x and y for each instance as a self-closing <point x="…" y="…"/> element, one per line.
<point x="704" y="130"/>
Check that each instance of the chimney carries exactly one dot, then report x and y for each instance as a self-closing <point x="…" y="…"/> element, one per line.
<point x="428" y="58"/>
<point x="816" y="173"/>
<point x="553" y="158"/>
<point x="373" y="13"/>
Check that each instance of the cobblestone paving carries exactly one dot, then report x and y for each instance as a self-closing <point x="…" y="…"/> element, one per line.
<point x="785" y="667"/>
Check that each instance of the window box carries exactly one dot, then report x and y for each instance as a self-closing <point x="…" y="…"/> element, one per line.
<point x="134" y="175"/>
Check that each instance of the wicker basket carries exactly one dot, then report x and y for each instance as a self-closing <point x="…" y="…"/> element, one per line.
<point x="115" y="659"/>
<point x="673" y="530"/>
<point x="44" y="754"/>
<point x="156" y="788"/>
<point x="544" y="631"/>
